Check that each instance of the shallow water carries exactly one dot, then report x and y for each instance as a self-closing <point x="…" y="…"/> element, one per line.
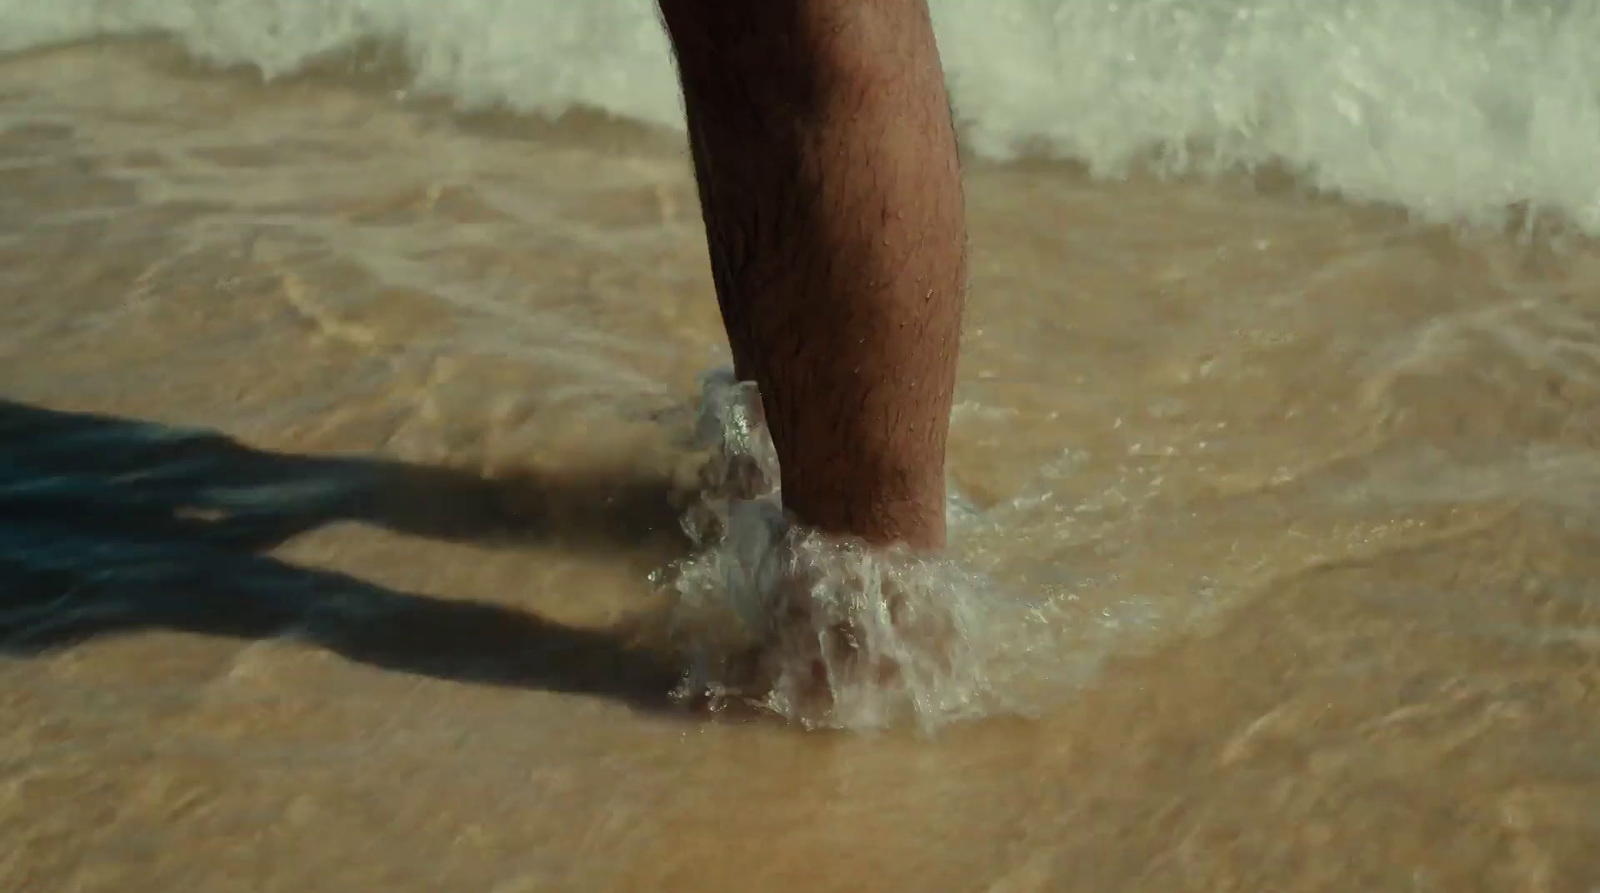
<point x="1297" y="498"/>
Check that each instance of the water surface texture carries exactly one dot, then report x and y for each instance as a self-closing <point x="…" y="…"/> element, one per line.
<point x="350" y="357"/>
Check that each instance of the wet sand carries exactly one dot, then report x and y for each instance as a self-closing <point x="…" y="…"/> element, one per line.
<point x="340" y="439"/>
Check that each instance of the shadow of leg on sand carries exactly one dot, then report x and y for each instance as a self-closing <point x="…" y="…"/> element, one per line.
<point x="109" y="525"/>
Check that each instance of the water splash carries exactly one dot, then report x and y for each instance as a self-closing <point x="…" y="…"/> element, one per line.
<point x="822" y="632"/>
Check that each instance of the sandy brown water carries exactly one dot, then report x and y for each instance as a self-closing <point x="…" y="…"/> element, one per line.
<point x="1305" y="494"/>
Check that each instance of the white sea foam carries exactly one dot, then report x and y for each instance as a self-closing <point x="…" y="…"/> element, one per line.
<point x="1455" y="109"/>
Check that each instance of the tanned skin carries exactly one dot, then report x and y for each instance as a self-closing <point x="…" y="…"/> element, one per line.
<point x="830" y="186"/>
